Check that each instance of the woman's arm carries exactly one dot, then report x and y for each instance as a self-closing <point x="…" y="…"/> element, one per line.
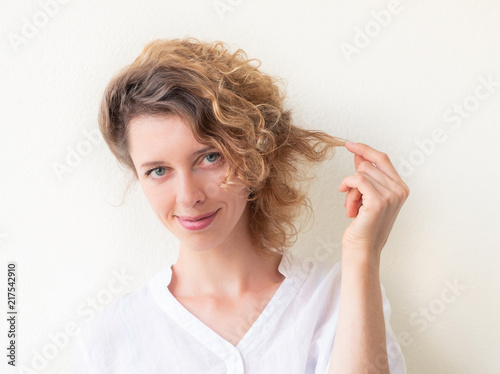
<point x="375" y="194"/>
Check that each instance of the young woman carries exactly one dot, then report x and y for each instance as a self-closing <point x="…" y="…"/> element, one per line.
<point x="220" y="162"/>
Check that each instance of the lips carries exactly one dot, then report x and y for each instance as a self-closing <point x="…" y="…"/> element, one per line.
<point x="198" y="222"/>
<point x="197" y="218"/>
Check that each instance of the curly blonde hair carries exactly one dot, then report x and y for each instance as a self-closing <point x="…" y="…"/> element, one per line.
<point x="231" y="105"/>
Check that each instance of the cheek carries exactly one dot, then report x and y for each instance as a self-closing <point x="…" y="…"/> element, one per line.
<point x="213" y="190"/>
<point x="211" y="182"/>
<point x="233" y="194"/>
<point x="237" y="200"/>
<point x="158" y="199"/>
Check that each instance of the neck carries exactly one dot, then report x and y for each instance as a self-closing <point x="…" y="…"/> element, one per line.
<point x="231" y="269"/>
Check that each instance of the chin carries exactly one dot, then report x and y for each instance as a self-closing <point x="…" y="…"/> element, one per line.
<point x="196" y="241"/>
<point x="198" y="245"/>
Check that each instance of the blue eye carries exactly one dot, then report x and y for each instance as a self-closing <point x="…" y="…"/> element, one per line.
<point x="212" y="157"/>
<point x="159" y="172"/>
<point x="156" y="172"/>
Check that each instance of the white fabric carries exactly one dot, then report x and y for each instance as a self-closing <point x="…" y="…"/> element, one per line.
<point x="149" y="331"/>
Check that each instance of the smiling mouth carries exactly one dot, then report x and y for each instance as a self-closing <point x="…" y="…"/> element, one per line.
<point x="198" y="223"/>
<point x="198" y="218"/>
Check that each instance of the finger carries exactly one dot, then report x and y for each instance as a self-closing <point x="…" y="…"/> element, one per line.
<point x="385" y="166"/>
<point x="358" y="160"/>
<point x="380" y="159"/>
<point x="353" y="201"/>
<point x="372" y="192"/>
<point x="364" y="183"/>
<point x="368" y="168"/>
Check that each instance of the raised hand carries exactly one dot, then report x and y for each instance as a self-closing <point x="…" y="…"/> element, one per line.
<point x="375" y="194"/>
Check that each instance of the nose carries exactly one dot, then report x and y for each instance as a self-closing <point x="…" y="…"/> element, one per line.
<point x="189" y="190"/>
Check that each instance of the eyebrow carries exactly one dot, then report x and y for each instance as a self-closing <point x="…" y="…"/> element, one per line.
<point x="152" y="164"/>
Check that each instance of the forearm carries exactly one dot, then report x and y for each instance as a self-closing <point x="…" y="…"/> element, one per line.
<point x="360" y="340"/>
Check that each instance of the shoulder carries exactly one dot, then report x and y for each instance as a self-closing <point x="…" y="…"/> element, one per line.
<point x="317" y="280"/>
<point x="111" y="319"/>
<point x="312" y="268"/>
<point x="106" y="338"/>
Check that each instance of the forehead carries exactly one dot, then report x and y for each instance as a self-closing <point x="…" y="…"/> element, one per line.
<point x="153" y="130"/>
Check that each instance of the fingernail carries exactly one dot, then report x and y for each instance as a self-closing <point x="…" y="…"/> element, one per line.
<point x="350" y="143"/>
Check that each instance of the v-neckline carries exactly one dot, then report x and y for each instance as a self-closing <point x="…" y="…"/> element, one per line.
<point x="208" y="337"/>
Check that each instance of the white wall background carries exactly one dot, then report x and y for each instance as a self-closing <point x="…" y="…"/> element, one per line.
<point x="411" y="84"/>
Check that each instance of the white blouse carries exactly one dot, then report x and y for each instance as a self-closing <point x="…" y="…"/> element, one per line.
<point x="149" y="331"/>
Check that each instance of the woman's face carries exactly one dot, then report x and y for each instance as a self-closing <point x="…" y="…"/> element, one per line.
<point x="180" y="178"/>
